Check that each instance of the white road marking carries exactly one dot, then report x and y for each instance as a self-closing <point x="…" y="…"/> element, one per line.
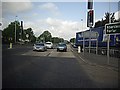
<point x="35" y="53"/>
<point x="51" y="53"/>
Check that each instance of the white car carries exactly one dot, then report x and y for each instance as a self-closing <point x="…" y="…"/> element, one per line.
<point x="49" y="44"/>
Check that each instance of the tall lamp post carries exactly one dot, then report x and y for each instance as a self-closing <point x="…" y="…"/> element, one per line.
<point x="15" y="28"/>
<point x="83" y="37"/>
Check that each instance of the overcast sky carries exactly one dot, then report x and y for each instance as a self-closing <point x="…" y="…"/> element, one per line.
<point x="62" y="19"/>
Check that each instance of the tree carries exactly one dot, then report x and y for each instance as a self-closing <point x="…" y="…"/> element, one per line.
<point x="72" y="40"/>
<point x="103" y="22"/>
<point x="61" y="40"/>
<point x="98" y="23"/>
<point x="57" y="40"/>
<point x="45" y="36"/>
<point x="30" y="34"/>
<point x="9" y="32"/>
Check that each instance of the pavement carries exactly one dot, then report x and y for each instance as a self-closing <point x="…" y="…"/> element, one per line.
<point x="99" y="60"/>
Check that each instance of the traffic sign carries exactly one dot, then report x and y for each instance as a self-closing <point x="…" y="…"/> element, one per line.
<point x="112" y="28"/>
<point x="27" y="35"/>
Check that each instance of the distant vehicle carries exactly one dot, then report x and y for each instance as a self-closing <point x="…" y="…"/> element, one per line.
<point x="39" y="47"/>
<point x="49" y="44"/>
<point x="62" y="47"/>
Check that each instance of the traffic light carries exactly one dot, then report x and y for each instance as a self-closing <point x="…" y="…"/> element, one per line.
<point x="21" y="29"/>
<point x="91" y="14"/>
<point x="90" y="18"/>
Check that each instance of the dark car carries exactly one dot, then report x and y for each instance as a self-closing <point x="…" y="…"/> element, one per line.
<point x="39" y="47"/>
<point x="62" y="47"/>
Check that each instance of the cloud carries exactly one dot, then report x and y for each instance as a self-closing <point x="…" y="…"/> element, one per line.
<point x="57" y="27"/>
<point x="50" y="7"/>
<point x="16" y="0"/>
<point x="16" y="7"/>
<point x="117" y="15"/>
<point x="35" y="27"/>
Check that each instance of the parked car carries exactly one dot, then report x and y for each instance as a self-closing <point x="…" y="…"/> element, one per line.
<point x="49" y="44"/>
<point x="62" y="47"/>
<point x="39" y="47"/>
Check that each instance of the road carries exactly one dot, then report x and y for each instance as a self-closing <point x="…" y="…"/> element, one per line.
<point x="24" y="68"/>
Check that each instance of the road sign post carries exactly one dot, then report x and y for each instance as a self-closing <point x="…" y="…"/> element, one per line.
<point x="89" y="40"/>
<point x="10" y="39"/>
<point x="83" y="44"/>
<point x="90" y="19"/>
<point x="111" y="28"/>
<point x="79" y="49"/>
<point x="108" y="48"/>
<point x="97" y="42"/>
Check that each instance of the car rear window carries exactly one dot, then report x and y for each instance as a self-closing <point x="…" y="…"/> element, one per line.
<point x="61" y="44"/>
<point x="41" y="44"/>
<point x="48" y="43"/>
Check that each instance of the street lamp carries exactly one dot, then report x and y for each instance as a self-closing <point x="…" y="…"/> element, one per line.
<point x="15" y="28"/>
<point x="83" y="37"/>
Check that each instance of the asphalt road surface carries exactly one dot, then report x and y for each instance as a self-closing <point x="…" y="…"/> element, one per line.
<point x="24" y="68"/>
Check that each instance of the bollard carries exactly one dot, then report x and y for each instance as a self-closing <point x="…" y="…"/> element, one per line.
<point x="10" y="45"/>
<point x="79" y="49"/>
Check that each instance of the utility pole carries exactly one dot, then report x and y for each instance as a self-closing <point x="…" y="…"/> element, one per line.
<point x="15" y="28"/>
<point x="108" y="38"/>
<point x="21" y="30"/>
<point x="83" y="38"/>
<point x="90" y="19"/>
<point x="89" y="39"/>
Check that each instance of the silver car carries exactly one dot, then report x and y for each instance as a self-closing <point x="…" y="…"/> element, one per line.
<point x="39" y="47"/>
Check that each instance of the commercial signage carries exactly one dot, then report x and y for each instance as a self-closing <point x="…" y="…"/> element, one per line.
<point x="91" y="34"/>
